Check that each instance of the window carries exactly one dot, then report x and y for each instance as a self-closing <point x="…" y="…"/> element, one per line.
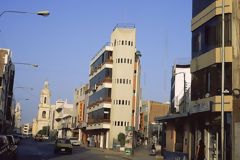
<point x="121" y="123"/>
<point x="209" y="35"/>
<point x="115" y="42"/>
<point x="119" y="102"/>
<point x="122" y="42"/>
<point x="129" y="81"/>
<point x="124" y="60"/>
<point x="117" y="81"/>
<point x="134" y="91"/>
<point x="126" y="102"/>
<point x="123" y="81"/>
<point x="128" y="61"/>
<point x="129" y="43"/>
<point x="118" y="123"/>
<point x="122" y="102"/>
<point x="125" y="42"/>
<point x="121" y="60"/>
<point x="118" y="60"/>
<point x="129" y="103"/>
<point x="45" y="100"/>
<point x="44" y="114"/>
<point x="115" y="123"/>
<point x="126" y="81"/>
<point x="120" y="81"/>
<point x="125" y="123"/>
<point x="135" y="71"/>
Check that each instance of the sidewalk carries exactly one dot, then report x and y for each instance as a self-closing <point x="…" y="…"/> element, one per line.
<point x="140" y="153"/>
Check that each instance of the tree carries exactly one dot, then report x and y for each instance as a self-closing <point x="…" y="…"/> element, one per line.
<point x="121" y="139"/>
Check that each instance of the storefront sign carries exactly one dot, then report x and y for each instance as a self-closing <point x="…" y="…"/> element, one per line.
<point x="201" y="107"/>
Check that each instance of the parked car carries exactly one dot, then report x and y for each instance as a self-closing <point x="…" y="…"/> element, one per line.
<point x="38" y="138"/>
<point x="44" y="137"/>
<point x="12" y="146"/>
<point x="63" y="145"/>
<point x="74" y="141"/>
<point x="4" y="147"/>
<point x="17" y="139"/>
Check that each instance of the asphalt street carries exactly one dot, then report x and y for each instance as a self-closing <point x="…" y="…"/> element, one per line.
<point x="31" y="150"/>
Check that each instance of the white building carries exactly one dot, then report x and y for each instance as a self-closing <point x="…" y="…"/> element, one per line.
<point x="114" y="88"/>
<point x="63" y="116"/>
<point x="17" y="124"/>
<point x="181" y="77"/>
<point x="27" y="129"/>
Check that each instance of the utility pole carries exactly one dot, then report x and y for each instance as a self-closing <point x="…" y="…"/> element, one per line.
<point x="223" y="76"/>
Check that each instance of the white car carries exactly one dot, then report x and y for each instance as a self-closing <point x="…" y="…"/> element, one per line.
<point x="74" y="141"/>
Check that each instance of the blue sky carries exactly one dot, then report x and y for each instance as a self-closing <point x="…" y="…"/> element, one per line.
<point x="63" y="43"/>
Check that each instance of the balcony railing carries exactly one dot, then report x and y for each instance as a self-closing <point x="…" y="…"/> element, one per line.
<point x="107" y="61"/>
<point x="92" y="121"/>
<point x="105" y="100"/>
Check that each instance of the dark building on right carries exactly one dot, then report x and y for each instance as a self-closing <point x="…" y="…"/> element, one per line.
<point x="206" y="70"/>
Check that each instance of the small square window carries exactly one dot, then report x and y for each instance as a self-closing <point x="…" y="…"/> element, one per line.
<point x="129" y="43"/>
<point x="122" y="42"/>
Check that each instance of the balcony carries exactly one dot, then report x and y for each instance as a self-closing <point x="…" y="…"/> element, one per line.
<point x="105" y="100"/>
<point x="92" y="121"/>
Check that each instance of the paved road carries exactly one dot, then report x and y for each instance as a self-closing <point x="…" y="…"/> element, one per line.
<point x="31" y="150"/>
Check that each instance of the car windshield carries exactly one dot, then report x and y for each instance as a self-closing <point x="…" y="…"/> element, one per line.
<point x="63" y="141"/>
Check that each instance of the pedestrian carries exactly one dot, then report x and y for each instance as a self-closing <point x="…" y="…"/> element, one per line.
<point x="200" y="150"/>
<point x="88" y="141"/>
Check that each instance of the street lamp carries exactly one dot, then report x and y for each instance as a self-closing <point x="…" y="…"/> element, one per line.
<point x="184" y="86"/>
<point x="28" y="64"/>
<point x="44" y="13"/>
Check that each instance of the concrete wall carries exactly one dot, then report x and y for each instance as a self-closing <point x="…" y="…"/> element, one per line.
<point x="170" y="137"/>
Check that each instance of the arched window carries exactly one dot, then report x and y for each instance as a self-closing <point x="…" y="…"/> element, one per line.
<point x="45" y="100"/>
<point x="44" y="114"/>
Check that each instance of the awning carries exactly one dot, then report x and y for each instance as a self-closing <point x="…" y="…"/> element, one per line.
<point x="171" y="117"/>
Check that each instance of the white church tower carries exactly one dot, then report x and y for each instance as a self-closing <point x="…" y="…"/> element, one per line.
<point x="43" y="117"/>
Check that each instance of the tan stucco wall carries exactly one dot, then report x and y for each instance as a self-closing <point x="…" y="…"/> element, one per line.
<point x="170" y="137"/>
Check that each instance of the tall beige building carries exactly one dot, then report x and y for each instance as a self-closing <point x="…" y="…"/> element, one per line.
<point x="114" y="88"/>
<point x="43" y="115"/>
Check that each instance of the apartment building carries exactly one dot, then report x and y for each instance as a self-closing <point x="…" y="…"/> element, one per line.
<point x="206" y="69"/>
<point x="63" y="119"/>
<point x="203" y="120"/>
<point x="80" y="113"/>
<point x="27" y="129"/>
<point x="180" y="84"/>
<point x="114" y="88"/>
<point x="7" y="72"/>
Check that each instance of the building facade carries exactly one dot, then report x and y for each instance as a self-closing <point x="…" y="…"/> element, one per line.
<point x="7" y="72"/>
<point x="27" y="129"/>
<point x="63" y="119"/>
<point x="114" y="88"/>
<point x="150" y="110"/>
<point x="18" y="118"/>
<point x="80" y="113"/>
<point x="204" y="115"/>
<point x="180" y="84"/>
